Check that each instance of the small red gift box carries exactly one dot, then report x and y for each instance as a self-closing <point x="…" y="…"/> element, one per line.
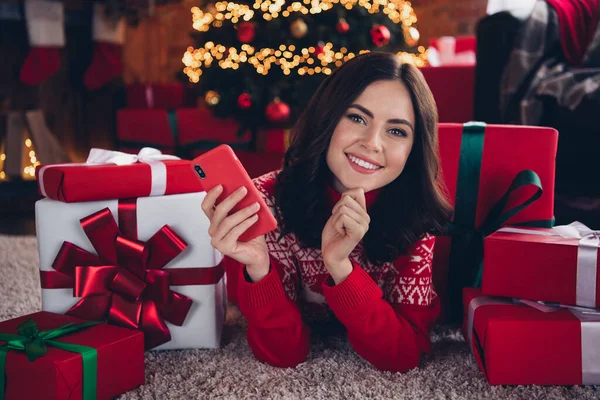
<point x="198" y="129"/>
<point x="183" y="131"/>
<point x="516" y="344"/>
<point x="146" y="128"/>
<point x="557" y="265"/>
<point x="149" y="173"/>
<point x="59" y="373"/>
<point x="155" y="95"/>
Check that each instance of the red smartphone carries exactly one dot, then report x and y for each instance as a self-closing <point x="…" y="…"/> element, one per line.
<point x="220" y="166"/>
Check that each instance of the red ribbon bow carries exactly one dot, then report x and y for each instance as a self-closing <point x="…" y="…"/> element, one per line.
<point x="124" y="284"/>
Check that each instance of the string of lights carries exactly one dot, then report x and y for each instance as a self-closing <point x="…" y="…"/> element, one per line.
<point x="312" y="60"/>
<point x="398" y="11"/>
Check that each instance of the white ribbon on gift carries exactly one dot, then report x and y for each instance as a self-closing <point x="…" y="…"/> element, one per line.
<point x="590" y="331"/>
<point x="148" y="155"/>
<point x="587" y="256"/>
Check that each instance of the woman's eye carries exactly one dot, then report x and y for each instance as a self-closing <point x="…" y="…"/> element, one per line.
<point x="397" y="132"/>
<point x="356" y="118"/>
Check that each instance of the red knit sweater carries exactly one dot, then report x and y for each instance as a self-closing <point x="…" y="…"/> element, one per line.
<point x="387" y="311"/>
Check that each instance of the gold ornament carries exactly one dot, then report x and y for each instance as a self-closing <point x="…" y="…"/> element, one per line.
<point x="298" y="28"/>
<point x="212" y="98"/>
<point x="411" y="36"/>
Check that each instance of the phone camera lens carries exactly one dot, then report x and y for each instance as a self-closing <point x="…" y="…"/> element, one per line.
<point x="200" y="171"/>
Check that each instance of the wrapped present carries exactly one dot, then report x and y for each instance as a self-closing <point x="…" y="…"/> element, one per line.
<point x="183" y="131"/>
<point x="521" y="343"/>
<point x="495" y="175"/>
<point x="557" y="264"/>
<point x="138" y="128"/>
<point x="144" y="263"/>
<point x="117" y="175"/>
<point x="155" y="95"/>
<point x="51" y="356"/>
<point x="199" y="130"/>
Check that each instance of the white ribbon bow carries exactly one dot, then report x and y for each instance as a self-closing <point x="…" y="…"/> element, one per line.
<point x="145" y="155"/>
<point x="587" y="256"/>
<point x="148" y="155"/>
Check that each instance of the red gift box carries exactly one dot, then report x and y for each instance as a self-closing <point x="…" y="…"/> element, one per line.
<point x="533" y="265"/>
<point x="184" y="131"/>
<point x="92" y="182"/>
<point x="515" y="344"/>
<point x="58" y="374"/>
<point x="479" y="164"/>
<point x="198" y="129"/>
<point x="453" y="88"/>
<point x="146" y="128"/>
<point x="156" y="95"/>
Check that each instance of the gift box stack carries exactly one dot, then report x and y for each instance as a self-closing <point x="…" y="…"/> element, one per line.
<point x="536" y="318"/>
<point x="126" y="266"/>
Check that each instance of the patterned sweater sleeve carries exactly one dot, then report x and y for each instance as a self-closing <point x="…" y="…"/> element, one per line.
<point x="276" y="333"/>
<point x="390" y="328"/>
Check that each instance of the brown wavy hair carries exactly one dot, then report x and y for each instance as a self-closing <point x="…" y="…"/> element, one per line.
<point x="407" y="208"/>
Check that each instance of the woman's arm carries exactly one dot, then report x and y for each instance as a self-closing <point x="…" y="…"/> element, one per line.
<point x="391" y="331"/>
<point x="276" y="333"/>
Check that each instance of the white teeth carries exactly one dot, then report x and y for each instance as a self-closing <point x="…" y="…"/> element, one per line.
<point x="362" y="163"/>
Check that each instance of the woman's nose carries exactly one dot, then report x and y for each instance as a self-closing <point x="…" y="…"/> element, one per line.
<point x="372" y="139"/>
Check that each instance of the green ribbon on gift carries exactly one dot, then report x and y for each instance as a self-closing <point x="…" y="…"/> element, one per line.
<point x="34" y="343"/>
<point x="466" y="251"/>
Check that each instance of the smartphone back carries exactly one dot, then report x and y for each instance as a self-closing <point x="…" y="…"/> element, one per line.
<point x="220" y="166"/>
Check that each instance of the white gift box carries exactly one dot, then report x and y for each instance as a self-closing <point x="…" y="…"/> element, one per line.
<point x="57" y="222"/>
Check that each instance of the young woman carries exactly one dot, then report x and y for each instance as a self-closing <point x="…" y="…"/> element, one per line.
<point x="358" y="203"/>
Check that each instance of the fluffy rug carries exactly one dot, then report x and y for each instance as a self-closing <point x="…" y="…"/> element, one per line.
<point x="332" y="370"/>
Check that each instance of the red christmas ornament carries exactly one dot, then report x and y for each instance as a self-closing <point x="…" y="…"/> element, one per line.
<point x="380" y="35"/>
<point x="246" y="32"/>
<point x="319" y="48"/>
<point x="342" y="26"/>
<point x="244" y="101"/>
<point x="277" y="111"/>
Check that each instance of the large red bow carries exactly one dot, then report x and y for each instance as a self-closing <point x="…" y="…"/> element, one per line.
<point x="124" y="283"/>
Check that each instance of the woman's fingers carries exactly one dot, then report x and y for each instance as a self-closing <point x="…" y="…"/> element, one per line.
<point x="234" y="234"/>
<point x="220" y="212"/>
<point x="351" y="203"/>
<point x="347" y="219"/>
<point x="208" y="204"/>
<point x="234" y="220"/>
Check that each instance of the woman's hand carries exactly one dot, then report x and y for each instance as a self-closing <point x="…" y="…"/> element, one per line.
<point x="348" y="224"/>
<point x="225" y="231"/>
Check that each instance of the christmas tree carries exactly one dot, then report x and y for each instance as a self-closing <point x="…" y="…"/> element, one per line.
<point x="261" y="61"/>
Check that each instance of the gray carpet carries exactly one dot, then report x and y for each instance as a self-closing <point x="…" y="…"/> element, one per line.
<point x="332" y="370"/>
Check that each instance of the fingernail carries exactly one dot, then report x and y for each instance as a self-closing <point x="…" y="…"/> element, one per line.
<point x="256" y="206"/>
<point x="242" y="189"/>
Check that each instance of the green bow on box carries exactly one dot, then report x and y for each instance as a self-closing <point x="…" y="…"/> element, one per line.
<point x="34" y="343"/>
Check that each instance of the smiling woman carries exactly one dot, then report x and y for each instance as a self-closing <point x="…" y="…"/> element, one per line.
<point x="374" y="146"/>
<point x="357" y="203"/>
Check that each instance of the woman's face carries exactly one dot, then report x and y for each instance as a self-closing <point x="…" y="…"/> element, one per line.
<point x="372" y="140"/>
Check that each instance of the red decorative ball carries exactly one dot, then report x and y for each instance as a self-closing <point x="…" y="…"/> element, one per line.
<point x="246" y="32"/>
<point x="342" y="26"/>
<point x="319" y="48"/>
<point x="244" y="101"/>
<point x="380" y="35"/>
<point x="277" y="111"/>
